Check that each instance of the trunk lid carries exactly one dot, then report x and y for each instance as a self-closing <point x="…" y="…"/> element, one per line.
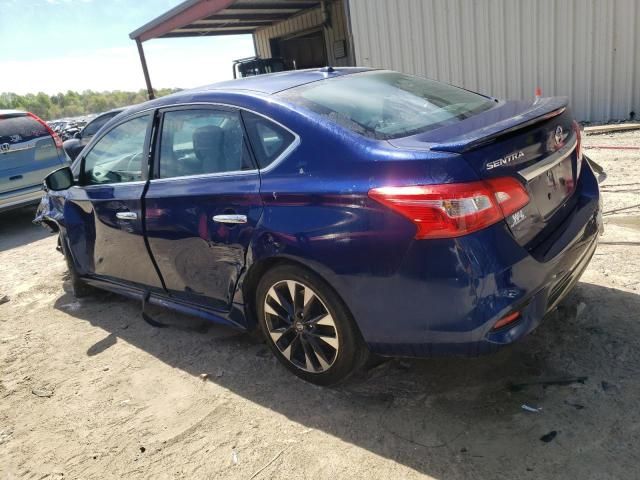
<point x="534" y="142"/>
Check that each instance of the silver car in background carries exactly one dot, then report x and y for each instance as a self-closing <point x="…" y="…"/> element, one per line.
<point x="29" y="150"/>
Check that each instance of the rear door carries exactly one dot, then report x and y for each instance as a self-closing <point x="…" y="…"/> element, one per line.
<point x="202" y="204"/>
<point x="103" y="214"/>
<point x="27" y="153"/>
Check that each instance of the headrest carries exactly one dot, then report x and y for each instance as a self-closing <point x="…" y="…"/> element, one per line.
<point x="208" y="141"/>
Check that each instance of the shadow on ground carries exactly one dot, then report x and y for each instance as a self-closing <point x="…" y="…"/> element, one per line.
<point x="16" y="228"/>
<point x="432" y="414"/>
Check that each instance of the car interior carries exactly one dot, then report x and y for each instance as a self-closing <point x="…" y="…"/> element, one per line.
<point x="202" y="144"/>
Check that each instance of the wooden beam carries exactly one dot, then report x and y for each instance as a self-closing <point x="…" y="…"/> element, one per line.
<point x="205" y="33"/>
<point x="300" y="5"/>
<point x="248" y="16"/>
<point x="213" y="28"/>
<point x="193" y="13"/>
<point x="214" y="23"/>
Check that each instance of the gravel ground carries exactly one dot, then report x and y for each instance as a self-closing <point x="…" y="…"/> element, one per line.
<point x="88" y="390"/>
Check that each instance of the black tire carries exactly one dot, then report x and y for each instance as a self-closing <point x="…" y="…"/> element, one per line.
<point x="79" y="288"/>
<point x="310" y="357"/>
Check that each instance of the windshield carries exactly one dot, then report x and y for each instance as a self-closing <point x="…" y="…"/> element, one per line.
<point x="387" y="105"/>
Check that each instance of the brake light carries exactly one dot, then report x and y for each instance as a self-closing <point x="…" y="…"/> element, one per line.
<point x="512" y="317"/>
<point x="54" y="135"/>
<point x="577" y="129"/>
<point x="456" y="209"/>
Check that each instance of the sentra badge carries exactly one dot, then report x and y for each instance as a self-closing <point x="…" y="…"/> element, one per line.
<point x="506" y="160"/>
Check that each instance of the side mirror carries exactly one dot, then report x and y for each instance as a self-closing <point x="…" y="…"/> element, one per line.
<point x="60" y="179"/>
<point x="77" y="135"/>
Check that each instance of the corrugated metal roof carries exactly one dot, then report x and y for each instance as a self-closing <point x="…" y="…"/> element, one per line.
<point x="194" y="18"/>
<point x="584" y="49"/>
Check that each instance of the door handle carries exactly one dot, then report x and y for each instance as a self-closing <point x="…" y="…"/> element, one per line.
<point x="127" y="215"/>
<point x="230" y="219"/>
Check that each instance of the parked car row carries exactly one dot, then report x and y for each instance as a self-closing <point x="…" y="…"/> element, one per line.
<point x="30" y="148"/>
<point x="67" y="128"/>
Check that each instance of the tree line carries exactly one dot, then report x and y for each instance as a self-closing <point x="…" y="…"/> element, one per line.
<point x="73" y="104"/>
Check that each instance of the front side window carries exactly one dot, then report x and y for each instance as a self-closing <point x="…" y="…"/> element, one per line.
<point x="387" y="105"/>
<point x="117" y="156"/>
<point x="201" y="141"/>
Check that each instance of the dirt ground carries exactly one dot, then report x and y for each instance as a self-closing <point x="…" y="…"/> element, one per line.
<point x="88" y="390"/>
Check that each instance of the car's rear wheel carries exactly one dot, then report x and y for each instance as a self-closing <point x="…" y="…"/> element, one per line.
<point x="307" y="326"/>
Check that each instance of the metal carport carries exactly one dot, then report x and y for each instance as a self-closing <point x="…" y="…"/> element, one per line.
<point x="195" y="18"/>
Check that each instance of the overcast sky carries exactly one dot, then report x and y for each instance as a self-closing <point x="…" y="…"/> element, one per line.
<point x="60" y="45"/>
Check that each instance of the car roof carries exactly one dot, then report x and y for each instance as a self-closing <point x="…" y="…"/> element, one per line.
<point x="113" y="110"/>
<point x="271" y="83"/>
<point x="12" y="112"/>
<point x="117" y="109"/>
<point x="260" y="85"/>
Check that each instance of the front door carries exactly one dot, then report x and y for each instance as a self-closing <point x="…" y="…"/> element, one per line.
<point x="103" y="214"/>
<point x="202" y="204"/>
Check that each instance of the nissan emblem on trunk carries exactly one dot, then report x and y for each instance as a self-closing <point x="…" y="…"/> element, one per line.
<point x="558" y="136"/>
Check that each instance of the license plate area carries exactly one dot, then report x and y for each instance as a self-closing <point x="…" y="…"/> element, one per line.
<point x="552" y="187"/>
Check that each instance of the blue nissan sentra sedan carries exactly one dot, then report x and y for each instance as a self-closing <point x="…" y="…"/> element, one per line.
<point x="340" y="211"/>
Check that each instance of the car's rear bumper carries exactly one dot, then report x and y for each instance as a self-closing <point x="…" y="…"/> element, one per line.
<point x="20" y="198"/>
<point x="449" y="294"/>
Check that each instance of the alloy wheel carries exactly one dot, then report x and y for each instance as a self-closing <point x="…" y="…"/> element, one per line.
<point x="301" y="326"/>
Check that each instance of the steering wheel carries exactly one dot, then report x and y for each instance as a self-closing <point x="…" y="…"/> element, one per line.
<point x="131" y="164"/>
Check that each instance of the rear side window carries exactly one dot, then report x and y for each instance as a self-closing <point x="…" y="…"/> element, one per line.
<point x="387" y="105"/>
<point x="20" y="129"/>
<point x="268" y="139"/>
<point x="202" y="141"/>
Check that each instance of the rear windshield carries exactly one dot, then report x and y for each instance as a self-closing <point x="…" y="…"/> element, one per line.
<point x="20" y="129"/>
<point x="387" y="105"/>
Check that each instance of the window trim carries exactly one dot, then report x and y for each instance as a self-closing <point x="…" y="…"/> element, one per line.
<point x="221" y="107"/>
<point x="143" y="160"/>
<point x="293" y="145"/>
<point x="155" y="156"/>
<point x="110" y="116"/>
<point x="151" y="147"/>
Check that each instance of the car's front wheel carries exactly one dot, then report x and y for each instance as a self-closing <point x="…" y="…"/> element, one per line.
<point x="79" y="289"/>
<point x="307" y="326"/>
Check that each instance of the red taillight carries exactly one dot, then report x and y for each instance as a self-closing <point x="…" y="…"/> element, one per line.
<point x="512" y="317"/>
<point x="54" y="135"/>
<point x="576" y="129"/>
<point x="456" y="209"/>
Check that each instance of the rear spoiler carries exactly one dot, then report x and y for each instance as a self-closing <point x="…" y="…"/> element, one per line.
<point x="541" y="110"/>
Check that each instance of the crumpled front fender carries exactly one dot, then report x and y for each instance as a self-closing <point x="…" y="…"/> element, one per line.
<point x="50" y="211"/>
